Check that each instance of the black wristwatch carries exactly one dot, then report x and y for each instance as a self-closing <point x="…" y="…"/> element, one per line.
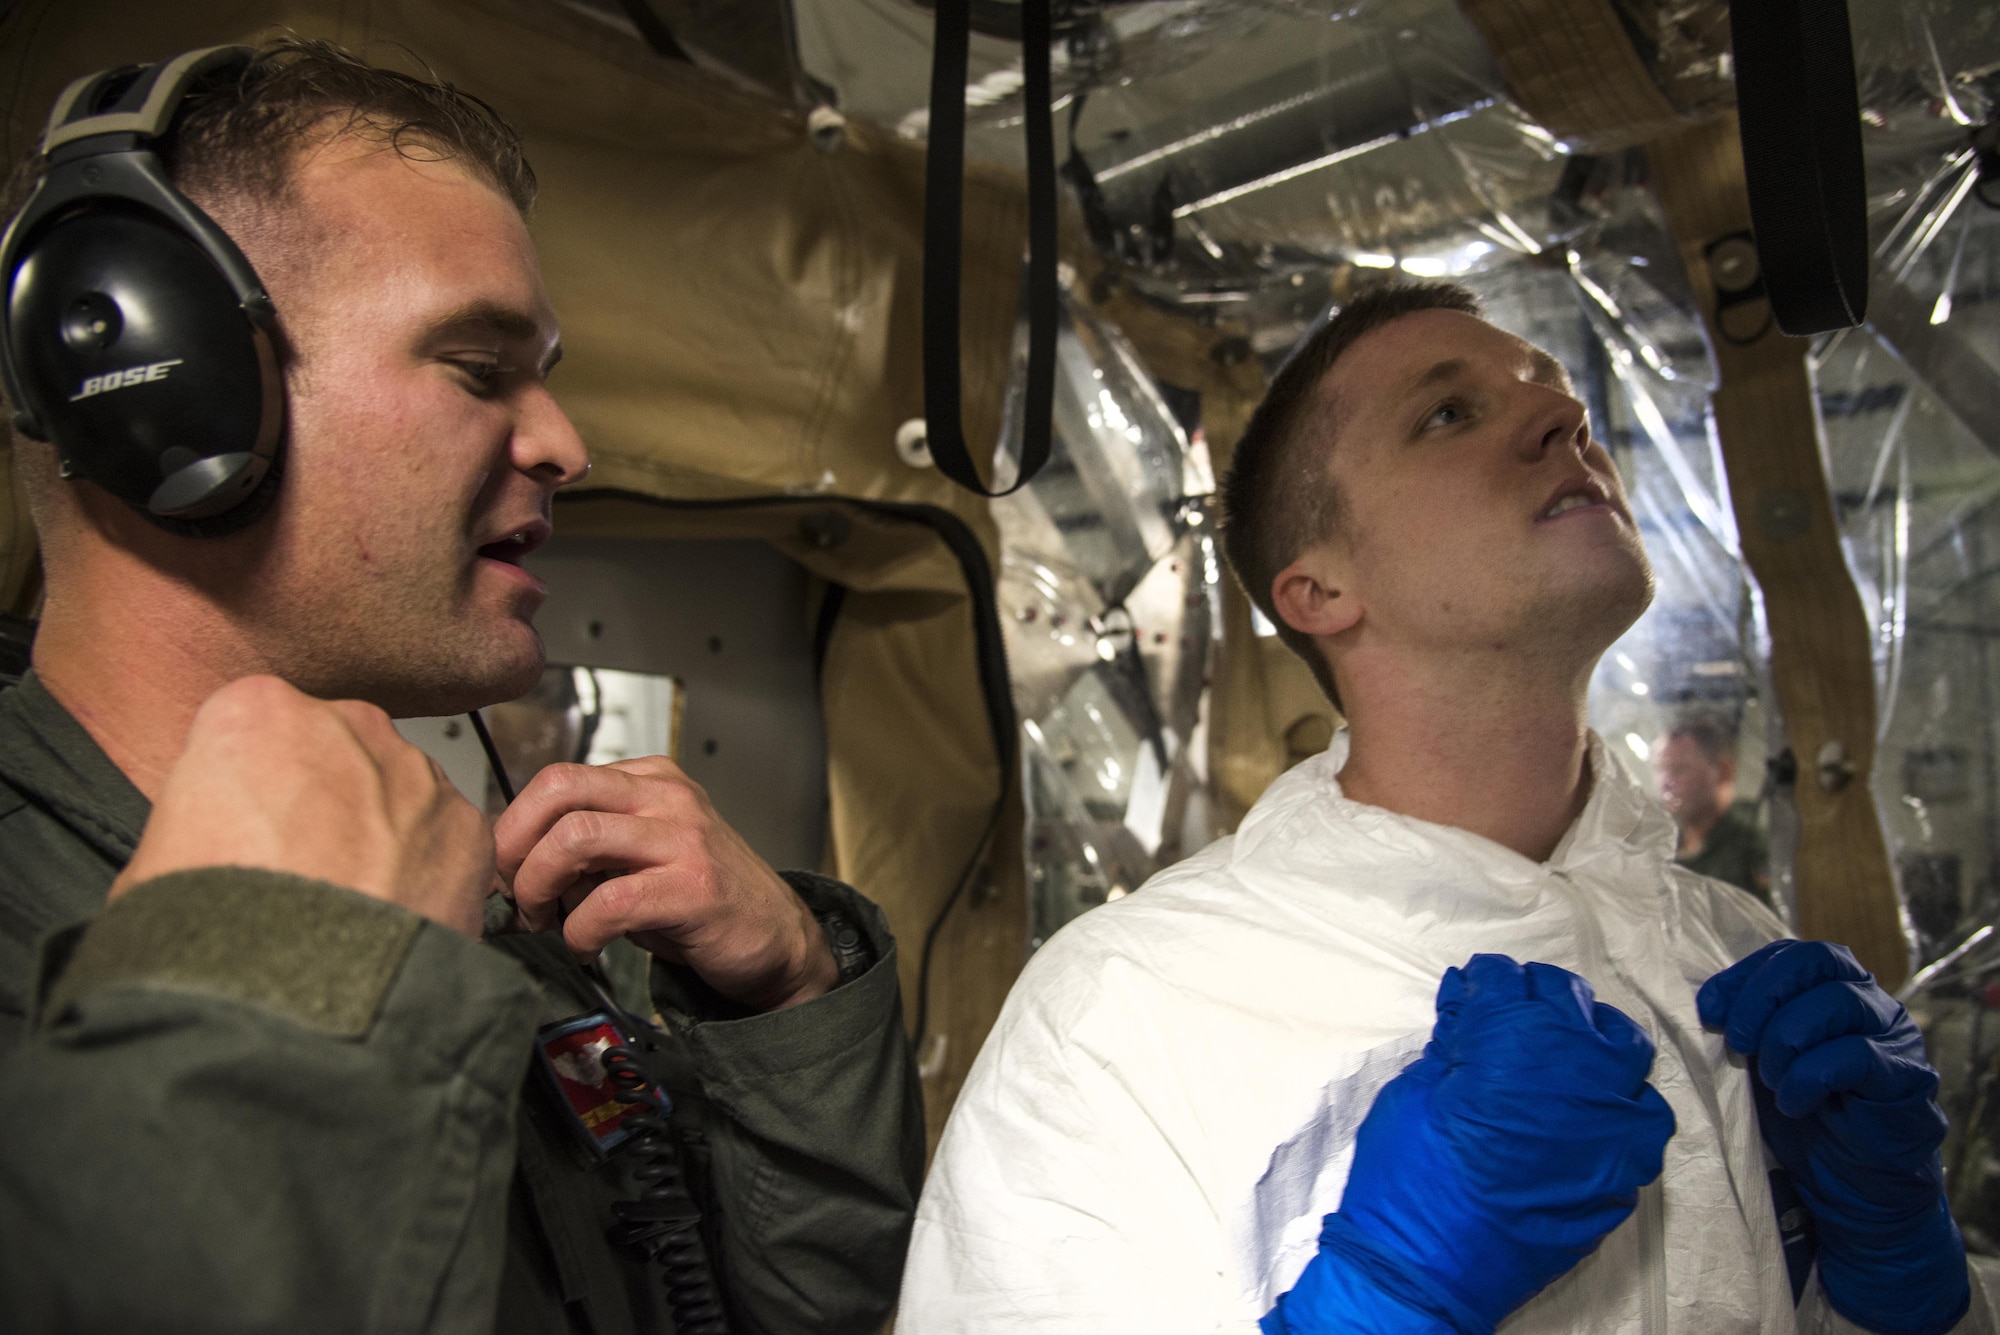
<point x="851" y="949"/>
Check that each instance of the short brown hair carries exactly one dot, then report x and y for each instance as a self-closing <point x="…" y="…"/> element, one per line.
<point x="1278" y="498"/>
<point x="1714" y="736"/>
<point x="239" y="130"/>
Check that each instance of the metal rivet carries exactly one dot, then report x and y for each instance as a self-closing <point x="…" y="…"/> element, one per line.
<point x="1835" y="770"/>
<point x="913" y="443"/>
<point x="1733" y="265"/>
<point x="827" y="128"/>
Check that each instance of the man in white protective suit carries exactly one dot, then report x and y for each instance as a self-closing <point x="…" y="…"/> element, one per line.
<point x="1441" y="1037"/>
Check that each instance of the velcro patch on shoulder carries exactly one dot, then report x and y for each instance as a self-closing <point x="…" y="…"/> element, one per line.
<point x="317" y="954"/>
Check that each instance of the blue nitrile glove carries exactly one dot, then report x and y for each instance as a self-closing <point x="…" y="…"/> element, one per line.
<point x="1845" y="1100"/>
<point x="1495" y="1162"/>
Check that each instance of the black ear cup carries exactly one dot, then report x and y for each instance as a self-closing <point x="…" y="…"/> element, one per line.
<point x="137" y="360"/>
<point x="137" y="337"/>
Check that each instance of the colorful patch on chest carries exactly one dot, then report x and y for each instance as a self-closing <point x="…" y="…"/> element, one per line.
<point x="572" y="1055"/>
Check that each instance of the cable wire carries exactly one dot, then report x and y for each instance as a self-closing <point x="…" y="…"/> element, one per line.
<point x="944" y="911"/>
<point x="492" y="756"/>
<point x="662" y="1223"/>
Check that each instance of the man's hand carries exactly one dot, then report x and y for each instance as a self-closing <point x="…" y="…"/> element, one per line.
<point x="1492" y="1165"/>
<point x="275" y="779"/>
<point x="634" y="849"/>
<point x="1846" y="1101"/>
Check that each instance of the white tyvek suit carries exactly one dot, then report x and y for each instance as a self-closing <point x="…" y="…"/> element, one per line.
<point x="1168" y="1103"/>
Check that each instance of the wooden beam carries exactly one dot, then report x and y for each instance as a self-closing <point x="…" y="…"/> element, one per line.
<point x="1571" y="65"/>
<point x="1821" y="664"/>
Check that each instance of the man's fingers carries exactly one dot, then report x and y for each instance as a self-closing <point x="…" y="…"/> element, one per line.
<point x="654" y="767"/>
<point x="1827" y="1012"/>
<point x="1559" y="987"/>
<point x="1485" y="979"/>
<point x="370" y="725"/>
<point x="1492" y="980"/>
<point x="1717" y="996"/>
<point x="555" y="792"/>
<point x="1630" y="1046"/>
<point x="559" y="790"/>
<point x="401" y="763"/>
<point x="1854" y="1065"/>
<point x="251" y="699"/>
<point x="1653" y="1126"/>
<point x="626" y="904"/>
<point x="1783" y="975"/>
<point x="1450" y="1002"/>
<point x="583" y="842"/>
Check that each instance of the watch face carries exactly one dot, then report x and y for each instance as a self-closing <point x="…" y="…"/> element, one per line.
<point x="850" y="948"/>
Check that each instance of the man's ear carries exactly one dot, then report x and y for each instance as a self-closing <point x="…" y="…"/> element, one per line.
<point x="1313" y="594"/>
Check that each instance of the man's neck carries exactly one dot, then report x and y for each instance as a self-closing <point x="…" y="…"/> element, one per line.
<point x="1500" y="749"/>
<point x="1695" y="826"/>
<point x="133" y="666"/>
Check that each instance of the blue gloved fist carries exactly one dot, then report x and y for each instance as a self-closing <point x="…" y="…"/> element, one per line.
<point x="1493" y="1164"/>
<point x="1847" y="1103"/>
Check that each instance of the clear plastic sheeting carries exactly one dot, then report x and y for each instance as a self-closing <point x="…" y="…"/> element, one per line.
<point x="1114" y="496"/>
<point x="1114" y="705"/>
<point x="1108" y="584"/>
<point x="1912" y="424"/>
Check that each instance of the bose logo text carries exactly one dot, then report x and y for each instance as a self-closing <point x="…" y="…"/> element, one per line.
<point x="110" y="380"/>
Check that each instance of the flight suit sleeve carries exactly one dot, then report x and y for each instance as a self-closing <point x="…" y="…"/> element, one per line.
<point x="815" y="1135"/>
<point x="250" y="1101"/>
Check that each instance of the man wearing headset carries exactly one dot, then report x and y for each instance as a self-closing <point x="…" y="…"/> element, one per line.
<point x="299" y="438"/>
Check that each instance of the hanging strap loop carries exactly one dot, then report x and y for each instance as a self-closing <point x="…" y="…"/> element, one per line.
<point x="1800" y="115"/>
<point x="943" y="232"/>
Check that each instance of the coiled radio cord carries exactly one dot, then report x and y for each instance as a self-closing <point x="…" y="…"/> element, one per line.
<point x="663" y="1224"/>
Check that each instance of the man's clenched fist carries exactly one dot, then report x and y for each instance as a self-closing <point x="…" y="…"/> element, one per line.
<point x="1847" y="1101"/>
<point x="273" y="778"/>
<point x="1492" y="1165"/>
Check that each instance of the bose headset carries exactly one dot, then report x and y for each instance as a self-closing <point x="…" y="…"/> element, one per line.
<point x="138" y="339"/>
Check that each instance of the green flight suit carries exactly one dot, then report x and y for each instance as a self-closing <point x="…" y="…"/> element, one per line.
<point x="1735" y="850"/>
<point x="239" y="1100"/>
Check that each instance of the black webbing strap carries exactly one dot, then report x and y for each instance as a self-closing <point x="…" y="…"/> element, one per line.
<point x="654" y="29"/>
<point x="1801" y="123"/>
<point x="943" y="219"/>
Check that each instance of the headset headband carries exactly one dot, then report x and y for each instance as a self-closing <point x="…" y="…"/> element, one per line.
<point x="158" y="88"/>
